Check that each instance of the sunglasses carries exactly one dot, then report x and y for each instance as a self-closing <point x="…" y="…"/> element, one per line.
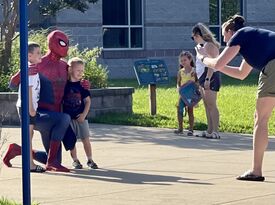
<point x="196" y="33"/>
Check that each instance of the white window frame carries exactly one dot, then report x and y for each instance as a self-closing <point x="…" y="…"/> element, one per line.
<point x="129" y="26"/>
<point x="220" y="18"/>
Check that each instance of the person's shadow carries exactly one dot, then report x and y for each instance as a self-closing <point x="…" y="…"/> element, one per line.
<point x="117" y="176"/>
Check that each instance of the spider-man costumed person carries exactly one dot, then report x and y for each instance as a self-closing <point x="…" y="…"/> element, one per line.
<point x="53" y="125"/>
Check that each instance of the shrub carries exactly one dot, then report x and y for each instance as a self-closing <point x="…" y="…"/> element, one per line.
<point x="94" y="72"/>
<point x="4" y="77"/>
<point x="4" y="82"/>
<point x="39" y="36"/>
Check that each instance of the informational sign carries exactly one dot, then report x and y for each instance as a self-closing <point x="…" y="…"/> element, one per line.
<point x="151" y="72"/>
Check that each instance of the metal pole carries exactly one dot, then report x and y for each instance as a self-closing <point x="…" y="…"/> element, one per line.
<point x="25" y="102"/>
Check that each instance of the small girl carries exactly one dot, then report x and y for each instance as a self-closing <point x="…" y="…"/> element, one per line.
<point x="186" y="73"/>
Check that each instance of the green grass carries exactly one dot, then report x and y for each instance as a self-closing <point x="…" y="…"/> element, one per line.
<point x="4" y="201"/>
<point x="236" y="102"/>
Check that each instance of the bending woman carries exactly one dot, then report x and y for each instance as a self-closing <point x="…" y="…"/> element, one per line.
<point x="257" y="47"/>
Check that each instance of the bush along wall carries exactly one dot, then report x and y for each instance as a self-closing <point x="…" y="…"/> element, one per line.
<point x="94" y="72"/>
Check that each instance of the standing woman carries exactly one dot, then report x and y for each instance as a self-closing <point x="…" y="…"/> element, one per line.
<point x="209" y="78"/>
<point x="257" y="47"/>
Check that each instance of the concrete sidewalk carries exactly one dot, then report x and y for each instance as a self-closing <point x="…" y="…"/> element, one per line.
<point x="149" y="166"/>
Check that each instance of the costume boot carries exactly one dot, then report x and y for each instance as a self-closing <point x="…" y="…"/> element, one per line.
<point x="13" y="151"/>
<point x="52" y="163"/>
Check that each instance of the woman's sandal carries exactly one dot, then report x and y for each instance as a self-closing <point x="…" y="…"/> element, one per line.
<point x="249" y="176"/>
<point x="204" y="134"/>
<point x="38" y="169"/>
<point x="214" y="135"/>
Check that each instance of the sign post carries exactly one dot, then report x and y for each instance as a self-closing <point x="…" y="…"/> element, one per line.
<point x="151" y="73"/>
<point x="23" y="5"/>
<point x="153" y="99"/>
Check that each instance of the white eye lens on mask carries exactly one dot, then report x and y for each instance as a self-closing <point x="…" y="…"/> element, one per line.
<point x="62" y="43"/>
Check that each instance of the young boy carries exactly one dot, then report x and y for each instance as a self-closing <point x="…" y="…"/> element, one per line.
<point x="77" y="103"/>
<point x="34" y="57"/>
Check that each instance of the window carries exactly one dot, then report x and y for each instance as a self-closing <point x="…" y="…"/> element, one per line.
<point x="219" y="11"/>
<point x="122" y="24"/>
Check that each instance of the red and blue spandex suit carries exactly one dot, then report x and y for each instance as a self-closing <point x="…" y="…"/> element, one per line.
<point x="53" y="125"/>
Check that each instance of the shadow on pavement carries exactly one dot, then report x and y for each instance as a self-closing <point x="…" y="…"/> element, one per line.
<point x="117" y="176"/>
<point x="158" y="136"/>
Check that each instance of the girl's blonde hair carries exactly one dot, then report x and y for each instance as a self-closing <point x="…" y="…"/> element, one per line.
<point x="189" y="56"/>
<point x="205" y="33"/>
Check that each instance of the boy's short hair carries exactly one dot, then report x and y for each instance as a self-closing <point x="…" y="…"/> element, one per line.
<point x="32" y="45"/>
<point x="75" y="60"/>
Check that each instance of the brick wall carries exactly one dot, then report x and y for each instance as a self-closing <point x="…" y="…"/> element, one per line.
<point x="109" y="100"/>
<point x="168" y="24"/>
<point x="84" y="29"/>
<point x="261" y="13"/>
<point x="167" y="30"/>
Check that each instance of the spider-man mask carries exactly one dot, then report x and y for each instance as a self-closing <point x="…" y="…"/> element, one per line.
<point x="58" y="43"/>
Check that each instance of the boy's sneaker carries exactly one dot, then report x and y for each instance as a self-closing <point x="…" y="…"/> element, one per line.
<point x="178" y="132"/>
<point x="92" y="164"/>
<point x="190" y="133"/>
<point x="77" y="164"/>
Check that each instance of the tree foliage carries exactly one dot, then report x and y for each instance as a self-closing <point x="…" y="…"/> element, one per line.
<point x="9" y="23"/>
<point x="56" y="5"/>
<point x="228" y="8"/>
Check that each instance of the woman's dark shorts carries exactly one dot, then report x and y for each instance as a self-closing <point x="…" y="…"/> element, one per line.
<point x="215" y="81"/>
